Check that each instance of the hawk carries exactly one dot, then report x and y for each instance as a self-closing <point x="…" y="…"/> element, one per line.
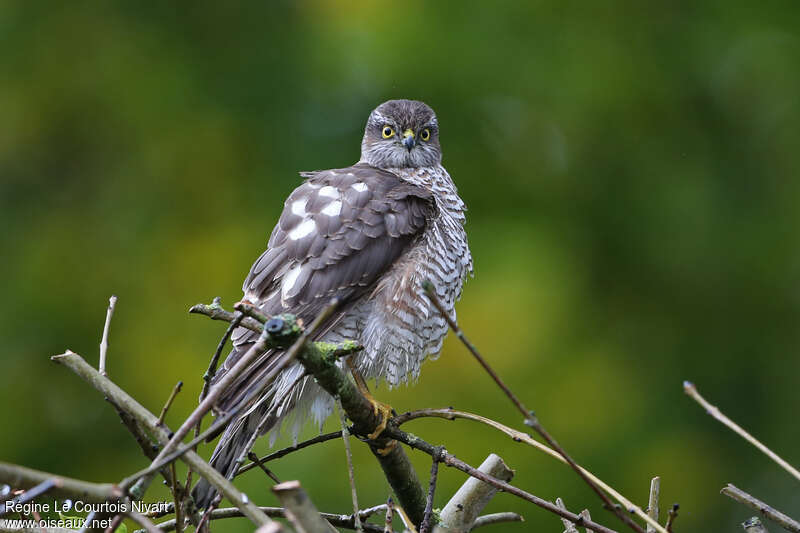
<point x="368" y="235"/>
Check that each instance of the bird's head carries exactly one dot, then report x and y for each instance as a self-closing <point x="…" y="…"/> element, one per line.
<point x="400" y="134"/>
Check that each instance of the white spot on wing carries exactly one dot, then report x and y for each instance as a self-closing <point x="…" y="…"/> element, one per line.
<point x="328" y="191"/>
<point x="299" y="207"/>
<point x="360" y="186"/>
<point x="303" y="229"/>
<point x="289" y="280"/>
<point x="332" y="209"/>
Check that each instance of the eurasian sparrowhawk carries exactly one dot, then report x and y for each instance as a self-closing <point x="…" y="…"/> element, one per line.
<point x="368" y="235"/>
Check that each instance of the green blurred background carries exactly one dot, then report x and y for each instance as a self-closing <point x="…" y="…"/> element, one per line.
<point x="631" y="170"/>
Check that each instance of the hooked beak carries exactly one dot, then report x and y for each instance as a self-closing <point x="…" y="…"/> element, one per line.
<point x="408" y="139"/>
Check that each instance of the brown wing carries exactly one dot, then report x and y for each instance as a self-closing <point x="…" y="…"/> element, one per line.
<point x="338" y="233"/>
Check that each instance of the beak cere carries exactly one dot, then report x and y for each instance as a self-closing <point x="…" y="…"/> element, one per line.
<point x="408" y="139"/>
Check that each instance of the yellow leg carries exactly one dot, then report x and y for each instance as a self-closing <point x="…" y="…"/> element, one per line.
<point x="384" y="410"/>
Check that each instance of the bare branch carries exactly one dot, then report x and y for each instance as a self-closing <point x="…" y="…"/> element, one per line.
<point x="452" y="461"/>
<point x="60" y="486"/>
<point x="388" y="520"/>
<point x="338" y="520"/>
<point x="585" y="514"/>
<point x="29" y="495"/>
<point x="409" y="525"/>
<point x="214" y="362"/>
<point x="270" y="474"/>
<point x="425" y="526"/>
<point x="569" y="527"/>
<point x="785" y="521"/>
<point x="143" y="521"/>
<point x="250" y="310"/>
<point x="350" y="472"/>
<point x="300" y="511"/>
<point x="496" y="518"/>
<point x="274" y="527"/>
<point x="691" y="390"/>
<point x="175" y="391"/>
<point x="518" y="436"/>
<point x="289" y="449"/>
<point x="148" y="420"/>
<point x="672" y="514"/>
<point x="112" y="304"/>
<point x="216" y="312"/>
<point x="652" y="502"/>
<point x="460" y="513"/>
<point x="149" y="448"/>
<point x="530" y="419"/>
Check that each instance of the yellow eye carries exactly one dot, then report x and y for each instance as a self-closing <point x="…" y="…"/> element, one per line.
<point x="425" y="134"/>
<point x="387" y="132"/>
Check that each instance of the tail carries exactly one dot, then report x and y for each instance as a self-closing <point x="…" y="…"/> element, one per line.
<point x="231" y="450"/>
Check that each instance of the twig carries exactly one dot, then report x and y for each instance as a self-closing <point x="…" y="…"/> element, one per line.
<point x="754" y="525"/>
<point x="216" y="312"/>
<point x="59" y="486"/>
<point x="652" y="502"/>
<point x="405" y="519"/>
<point x="452" y="461"/>
<point x="425" y="527"/>
<point x="177" y="496"/>
<point x="274" y="527"/>
<point x="253" y="457"/>
<point x="530" y="419"/>
<point x="496" y="518"/>
<point x="289" y="449"/>
<point x="149" y="448"/>
<point x="142" y="521"/>
<point x="431" y="292"/>
<point x="338" y="520"/>
<point x="30" y="494"/>
<point x="459" y="514"/>
<point x="518" y="436"/>
<point x="203" y="524"/>
<point x="250" y="310"/>
<point x="300" y="511"/>
<point x="690" y="389"/>
<point x="222" y="421"/>
<point x="290" y="329"/>
<point x="112" y="303"/>
<point x="387" y="523"/>
<point x="672" y="514"/>
<point x="585" y="514"/>
<point x="785" y="521"/>
<point x="214" y="362"/>
<point x="175" y="391"/>
<point x="115" y="523"/>
<point x="350" y="472"/>
<point x="148" y="420"/>
<point x="569" y="527"/>
<point x="369" y="511"/>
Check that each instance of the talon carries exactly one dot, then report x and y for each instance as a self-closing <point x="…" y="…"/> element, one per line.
<point x="385" y="412"/>
<point x="386" y="450"/>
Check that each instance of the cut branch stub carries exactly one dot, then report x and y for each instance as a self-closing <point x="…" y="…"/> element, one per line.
<point x="460" y="513"/>
<point x="300" y="510"/>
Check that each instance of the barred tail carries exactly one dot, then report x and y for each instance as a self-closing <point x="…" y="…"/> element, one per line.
<point x="231" y="450"/>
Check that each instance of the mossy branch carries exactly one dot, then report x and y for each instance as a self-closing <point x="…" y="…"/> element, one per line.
<point x="320" y="359"/>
